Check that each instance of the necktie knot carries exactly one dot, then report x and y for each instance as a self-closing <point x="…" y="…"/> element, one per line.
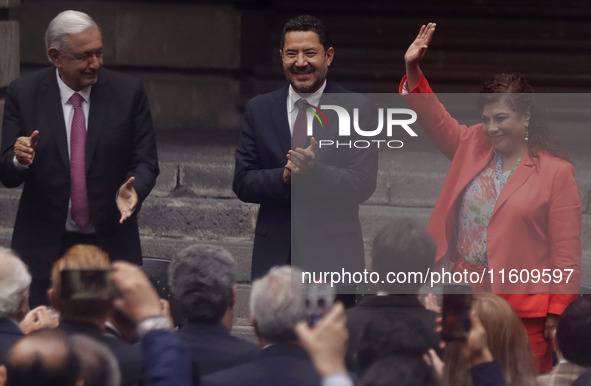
<point x="76" y="100"/>
<point x="302" y="103"/>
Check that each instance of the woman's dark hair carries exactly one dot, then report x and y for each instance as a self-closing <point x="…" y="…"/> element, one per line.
<point x="519" y="96"/>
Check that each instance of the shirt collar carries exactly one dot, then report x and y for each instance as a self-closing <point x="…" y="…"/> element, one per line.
<point x="66" y="92"/>
<point x="313" y="99"/>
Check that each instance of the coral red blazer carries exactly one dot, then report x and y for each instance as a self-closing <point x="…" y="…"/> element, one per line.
<point x="536" y="222"/>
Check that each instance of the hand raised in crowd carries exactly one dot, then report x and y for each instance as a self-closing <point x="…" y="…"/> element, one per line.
<point x="38" y="318"/>
<point x="326" y="342"/>
<point x="138" y="298"/>
<point x="302" y="160"/>
<point x="550" y="326"/>
<point x="416" y="52"/>
<point x="24" y="148"/>
<point x="431" y="303"/>
<point x="126" y="200"/>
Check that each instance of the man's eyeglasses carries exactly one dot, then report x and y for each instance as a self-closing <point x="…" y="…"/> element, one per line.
<point x="86" y="56"/>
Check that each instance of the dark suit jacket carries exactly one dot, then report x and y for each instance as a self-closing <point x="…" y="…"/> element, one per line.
<point x="211" y="348"/>
<point x="326" y="233"/>
<point x="393" y="307"/>
<point x="120" y="143"/>
<point x="9" y="334"/>
<point x="128" y="356"/>
<point x="282" y="364"/>
<point x="165" y="361"/>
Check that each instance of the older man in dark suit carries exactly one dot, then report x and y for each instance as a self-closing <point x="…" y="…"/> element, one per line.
<point x="81" y="140"/>
<point x="202" y="279"/>
<point x="285" y="171"/>
<point x="275" y="309"/>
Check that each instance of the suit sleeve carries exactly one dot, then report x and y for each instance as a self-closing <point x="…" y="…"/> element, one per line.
<point x="11" y="130"/>
<point x="253" y="183"/>
<point x="441" y="128"/>
<point x="143" y="164"/>
<point x="564" y="234"/>
<point x="165" y="361"/>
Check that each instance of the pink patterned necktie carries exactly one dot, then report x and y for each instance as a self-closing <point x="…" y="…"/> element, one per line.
<point x="300" y="127"/>
<point x="79" y="195"/>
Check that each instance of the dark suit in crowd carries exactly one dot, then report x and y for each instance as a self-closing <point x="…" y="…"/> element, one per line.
<point x="9" y="333"/>
<point x="280" y="364"/>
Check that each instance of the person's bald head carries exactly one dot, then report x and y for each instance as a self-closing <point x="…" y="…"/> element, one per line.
<point x="44" y="357"/>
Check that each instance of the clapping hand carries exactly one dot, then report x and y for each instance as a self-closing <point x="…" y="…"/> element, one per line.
<point x="302" y="160"/>
<point x="126" y="200"/>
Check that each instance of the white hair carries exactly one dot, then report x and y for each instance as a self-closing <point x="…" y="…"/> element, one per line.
<point x="14" y="280"/>
<point x="64" y="24"/>
<point x="276" y="306"/>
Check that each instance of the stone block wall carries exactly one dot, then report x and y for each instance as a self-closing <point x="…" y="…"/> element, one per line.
<point x="187" y="54"/>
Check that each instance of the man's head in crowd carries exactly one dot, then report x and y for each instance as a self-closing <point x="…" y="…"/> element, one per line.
<point x="43" y="358"/>
<point x="276" y="306"/>
<point x="14" y="285"/>
<point x="79" y="257"/>
<point x="574" y="331"/>
<point x="385" y="337"/>
<point x="402" y="246"/>
<point x="305" y="53"/>
<point x="202" y="279"/>
<point x="99" y="366"/>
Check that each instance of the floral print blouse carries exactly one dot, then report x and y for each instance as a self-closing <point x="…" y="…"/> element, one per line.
<point x="476" y="208"/>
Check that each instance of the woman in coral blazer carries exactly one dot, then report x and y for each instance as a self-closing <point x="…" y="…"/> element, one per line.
<point x="508" y="202"/>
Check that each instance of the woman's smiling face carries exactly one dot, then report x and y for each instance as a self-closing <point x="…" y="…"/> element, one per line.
<point x="505" y="128"/>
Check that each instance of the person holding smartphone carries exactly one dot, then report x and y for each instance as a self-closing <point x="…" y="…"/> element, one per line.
<point x="509" y="201"/>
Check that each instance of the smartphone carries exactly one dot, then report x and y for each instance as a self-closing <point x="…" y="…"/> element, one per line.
<point x="319" y="300"/>
<point x="455" y="313"/>
<point x="87" y="284"/>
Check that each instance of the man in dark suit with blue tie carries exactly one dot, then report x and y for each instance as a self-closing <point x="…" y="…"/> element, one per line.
<point x="309" y="195"/>
<point x="82" y="142"/>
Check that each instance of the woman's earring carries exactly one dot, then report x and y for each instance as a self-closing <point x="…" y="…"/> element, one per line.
<point x="526" y="133"/>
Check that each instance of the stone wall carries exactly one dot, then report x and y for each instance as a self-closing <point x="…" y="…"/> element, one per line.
<point x="185" y="53"/>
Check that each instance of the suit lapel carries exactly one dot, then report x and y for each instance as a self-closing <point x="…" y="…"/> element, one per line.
<point x="54" y="112"/>
<point x="281" y="124"/>
<point x="515" y="181"/>
<point x="99" y="106"/>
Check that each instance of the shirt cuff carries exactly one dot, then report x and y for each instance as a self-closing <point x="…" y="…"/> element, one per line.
<point x="338" y="380"/>
<point x="405" y="89"/>
<point x="18" y="165"/>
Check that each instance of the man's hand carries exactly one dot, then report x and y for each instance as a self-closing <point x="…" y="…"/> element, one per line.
<point x="327" y="342"/>
<point x="24" y="148"/>
<point x="550" y="326"/>
<point x="287" y="172"/>
<point x="139" y="299"/>
<point x="38" y="318"/>
<point x="126" y="200"/>
<point x="302" y="160"/>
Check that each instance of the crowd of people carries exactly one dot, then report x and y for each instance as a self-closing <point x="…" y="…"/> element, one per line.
<point x="385" y="339"/>
<point x="509" y="201"/>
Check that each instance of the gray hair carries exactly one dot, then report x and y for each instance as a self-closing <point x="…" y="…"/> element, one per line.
<point x="98" y="363"/>
<point x="64" y="24"/>
<point x="201" y="278"/>
<point x="277" y="305"/>
<point x="14" y="280"/>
